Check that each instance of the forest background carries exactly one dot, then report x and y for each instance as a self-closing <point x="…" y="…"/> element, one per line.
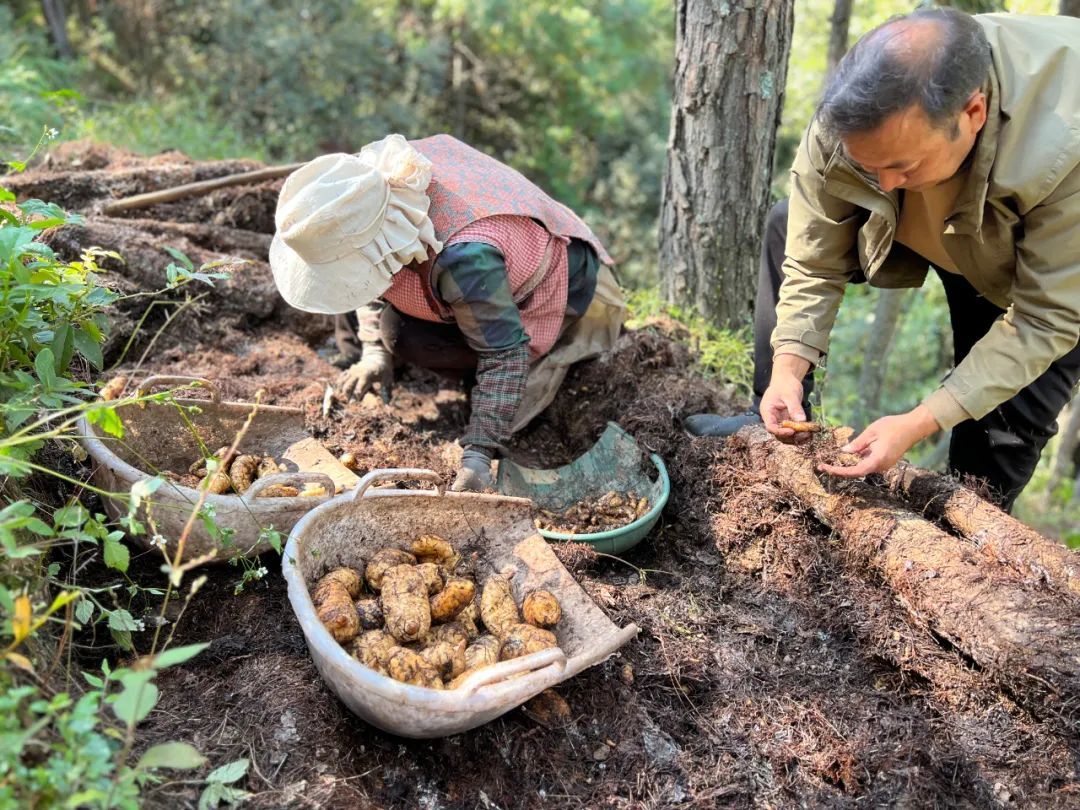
<point x="577" y="95"/>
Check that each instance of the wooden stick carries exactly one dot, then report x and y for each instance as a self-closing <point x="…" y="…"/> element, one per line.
<point x="195" y="189"/>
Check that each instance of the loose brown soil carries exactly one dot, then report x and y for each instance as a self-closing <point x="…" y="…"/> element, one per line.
<point x="769" y="671"/>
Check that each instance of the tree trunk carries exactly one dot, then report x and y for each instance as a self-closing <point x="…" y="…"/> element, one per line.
<point x="57" y="21"/>
<point x="838" y="36"/>
<point x="1070" y="8"/>
<point x="730" y="71"/>
<point x="887" y="312"/>
<point x="1064" y="456"/>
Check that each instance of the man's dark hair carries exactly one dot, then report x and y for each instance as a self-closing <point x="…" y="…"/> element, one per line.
<point x="934" y="57"/>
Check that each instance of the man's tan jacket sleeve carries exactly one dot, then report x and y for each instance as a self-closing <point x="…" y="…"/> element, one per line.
<point x="1043" y="322"/>
<point x="821" y="256"/>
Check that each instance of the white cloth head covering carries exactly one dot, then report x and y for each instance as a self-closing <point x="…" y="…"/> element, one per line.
<point x="347" y="223"/>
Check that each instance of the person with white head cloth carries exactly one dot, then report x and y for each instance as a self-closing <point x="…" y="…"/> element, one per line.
<point x="445" y="258"/>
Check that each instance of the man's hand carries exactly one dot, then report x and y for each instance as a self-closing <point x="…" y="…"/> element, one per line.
<point x="475" y="473"/>
<point x="783" y="398"/>
<point x="884" y="442"/>
<point x="374" y="366"/>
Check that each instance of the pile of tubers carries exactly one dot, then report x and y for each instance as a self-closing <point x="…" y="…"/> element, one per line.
<point x="421" y="621"/>
<point x="235" y="473"/>
<point x="612" y="510"/>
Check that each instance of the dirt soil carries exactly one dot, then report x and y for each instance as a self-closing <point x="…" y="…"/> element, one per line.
<point x="764" y="675"/>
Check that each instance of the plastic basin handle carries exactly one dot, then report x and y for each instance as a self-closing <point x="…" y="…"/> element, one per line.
<point x="288" y="479"/>
<point x="402" y="473"/>
<point x="158" y="380"/>
<point x="506" y="669"/>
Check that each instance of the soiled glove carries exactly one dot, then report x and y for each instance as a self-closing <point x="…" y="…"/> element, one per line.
<point x="375" y="366"/>
<point x="475" y="473"/>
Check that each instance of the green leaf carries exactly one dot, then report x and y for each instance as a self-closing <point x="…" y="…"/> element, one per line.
<point x="70" y="516"/>
<point x="89" y="346"/>
<point x="122" y="620"/>
<point x="49" y="211"/>
<point x="178" y="655"/>
<point x="181" y="257"/>
<point x="117" y="555"/>
<point x="104" y="415"/>
<point x="44" y="366"/>
<point x="136" y="701"/>
<point x="176" y="755"/>
<point x="84" y="611"/>
<point x="211" y="796"/>
<point x="93" y="680"/>
<point x="142" y="490"/>
<point x="63" y="347"/>
<point x="62" y="599"/>
<point x="227" y="774"/>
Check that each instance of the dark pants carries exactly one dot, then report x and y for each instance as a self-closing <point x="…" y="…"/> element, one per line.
<point x="439" y="347"/>
<point x="1004" y="446"/>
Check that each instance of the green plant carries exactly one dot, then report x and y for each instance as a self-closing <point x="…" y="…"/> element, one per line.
<point x="720" y="353"/>
<point x="58" y="749"/>
<point x="72" y="745"/>
<point x="219" y="787"/>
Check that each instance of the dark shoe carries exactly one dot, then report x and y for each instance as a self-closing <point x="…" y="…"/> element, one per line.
<point x="711" y="424"/>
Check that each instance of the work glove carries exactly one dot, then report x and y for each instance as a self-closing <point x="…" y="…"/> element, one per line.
<point x="374" y="366"/>
<point x="475" y="473"/>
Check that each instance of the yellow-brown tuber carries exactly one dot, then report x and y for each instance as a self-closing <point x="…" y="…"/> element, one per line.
<point x="455" y="596"/>
<point x="243" y="472"/>
<point x="433" y="577"/>
<point x="524" y="639"/>
<point x="408" y="667"/>
<point x="541" y="608"/>
<point x="497" y="607"/>
<point x="369" y="613"/>
<point x="404" y="603"/>
<point x="447" y="658"/>
<point x="483" y="652"/>
<point x="384" y="559"/>
<point x="333" y="597"/>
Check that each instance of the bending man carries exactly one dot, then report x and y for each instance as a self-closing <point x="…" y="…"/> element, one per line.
<point x="953" y="142"/>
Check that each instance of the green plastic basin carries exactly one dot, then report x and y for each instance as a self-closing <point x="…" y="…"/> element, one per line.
<point x="613" y="463"/>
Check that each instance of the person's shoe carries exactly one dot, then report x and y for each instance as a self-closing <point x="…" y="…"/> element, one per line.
<point x="711" y="424"/>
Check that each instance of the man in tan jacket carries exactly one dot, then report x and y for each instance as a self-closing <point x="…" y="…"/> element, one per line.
<point x="953" y="142"/>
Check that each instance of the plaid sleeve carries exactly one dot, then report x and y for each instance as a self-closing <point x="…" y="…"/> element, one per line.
<point x="471" y="279"/>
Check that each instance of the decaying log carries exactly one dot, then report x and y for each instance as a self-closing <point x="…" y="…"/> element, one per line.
<point x="76" y="190"/>
<point x="195" y="189"/>
<point x="233" y="241"/>
<point x="1025" y="636"/>
<point x="994" y="531"/>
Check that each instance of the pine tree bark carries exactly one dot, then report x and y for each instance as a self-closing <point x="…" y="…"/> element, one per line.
<point x="1070" y="8"/>
<point x="730" y="71"/>
<point x="839" y="26"/>
<point x="56" y="17"/>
